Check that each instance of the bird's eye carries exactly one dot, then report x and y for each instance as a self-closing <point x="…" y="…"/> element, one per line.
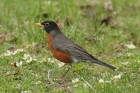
<point x="47" y="24"/>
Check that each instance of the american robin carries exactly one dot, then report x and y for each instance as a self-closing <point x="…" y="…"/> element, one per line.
<point x="66" y="50"/>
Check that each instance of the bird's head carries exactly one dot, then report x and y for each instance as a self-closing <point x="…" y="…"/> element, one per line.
<point x="49" y="26"/>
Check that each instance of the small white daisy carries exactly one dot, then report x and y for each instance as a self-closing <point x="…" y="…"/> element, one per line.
<point x="130" y="46"/>
<point x="129" y="54"/>
<point x="125" y="63"/>
<point x="75" y="80"/>
<point x="20" y="50"/>
<point x="8" y="53"/>
<point x="138" y="61"/>
<point x="14" y="53"/>
<point x="38" y="82"/>
<point x="27" y="58"/>
<point x="43" y="60"/>
<point x="108" y="5"/>
<point x="19" y="63"/>
<point x="85" y="85"/>
<point x="76" y="85"/>
<point x="117" y="76"/>
<point x="61" y="64"/>
<point x="25" y="91"/>
<point x="101" y="81"/>
<point x="30" y="59"/>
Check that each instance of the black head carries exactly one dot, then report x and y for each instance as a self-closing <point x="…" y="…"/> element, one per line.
<point x="49" y="26"/>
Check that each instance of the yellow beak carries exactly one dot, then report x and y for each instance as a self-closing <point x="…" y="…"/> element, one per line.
<point x="39" y="24"/>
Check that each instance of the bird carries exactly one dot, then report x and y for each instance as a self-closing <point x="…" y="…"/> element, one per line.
<point x="65" y="50"/>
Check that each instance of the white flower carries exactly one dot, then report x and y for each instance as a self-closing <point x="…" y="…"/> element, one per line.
<point x="35" y="74"/>
<point x="17" y="51"/>
<point x="34" y="59"/>
<point x="38" y="82"/>
<point x="138" y="61"/>
<point x="85" y="85"/>
<point x="129" y="54"/>
<point x="60" y="64"/>
<point x="130" y="46"/>
<point x="101" y="81"/>
<point x="14" y="53"/>
<point x="76" y="85"/>
<point x="28" y="46"/>
<point x="117" y="76"/>
<point x="42" y="60"/>
<point x="47" y="2"/>
<point x="25" y="91"/>
<point x="52" y="61"/>
<point x="75" y="80"/>
<point x="8" y="53"/>
<point x="19" y="63"/>
<point x="125" y="63"/>
<point x="20" y="50"/>
<point x="49" y="59"/>
<point x="108" y="5"/>
<point x="107" y="81"/>
<point x="31" y="46"/>
<point x="120" y="55"/>
<point x="28" y="58"/>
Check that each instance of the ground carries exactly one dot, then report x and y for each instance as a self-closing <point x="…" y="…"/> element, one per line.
<point x="107" y="29"/>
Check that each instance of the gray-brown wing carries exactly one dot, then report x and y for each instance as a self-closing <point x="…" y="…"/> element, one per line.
<point x="64" y="44"/>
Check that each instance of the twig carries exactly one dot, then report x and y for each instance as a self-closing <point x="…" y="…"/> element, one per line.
<point x="12" y="74"/>
<point x="87" y="83"/>
<point x="48" y="74"/>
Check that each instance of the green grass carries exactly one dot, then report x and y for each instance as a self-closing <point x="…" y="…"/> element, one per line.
<point x="108" y="43"/>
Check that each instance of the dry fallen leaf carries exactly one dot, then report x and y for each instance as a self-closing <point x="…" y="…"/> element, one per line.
<point x="15" y="73"/>
<point x="2" y="39"/>
<point x="88" y="10"/>
<point x="68" y="20"/>
<point x="107" y="20"/>
<point x="60" y="24"/>
<point x="45" y="15"/>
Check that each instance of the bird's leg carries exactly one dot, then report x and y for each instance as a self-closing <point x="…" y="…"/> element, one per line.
<point x="70" y="66"/>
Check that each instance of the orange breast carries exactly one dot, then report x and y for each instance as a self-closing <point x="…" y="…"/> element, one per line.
<point x="61" y="56"/>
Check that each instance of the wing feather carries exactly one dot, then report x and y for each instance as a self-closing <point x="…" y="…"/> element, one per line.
<point x="64" y="44"/>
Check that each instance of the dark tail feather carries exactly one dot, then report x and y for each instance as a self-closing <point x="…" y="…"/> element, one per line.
<point x="104" y="64"/>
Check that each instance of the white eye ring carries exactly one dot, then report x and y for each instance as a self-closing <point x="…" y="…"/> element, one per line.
<point x="47" y="24"/>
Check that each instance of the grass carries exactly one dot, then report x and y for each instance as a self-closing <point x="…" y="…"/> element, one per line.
<point x="108" y="43"/>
